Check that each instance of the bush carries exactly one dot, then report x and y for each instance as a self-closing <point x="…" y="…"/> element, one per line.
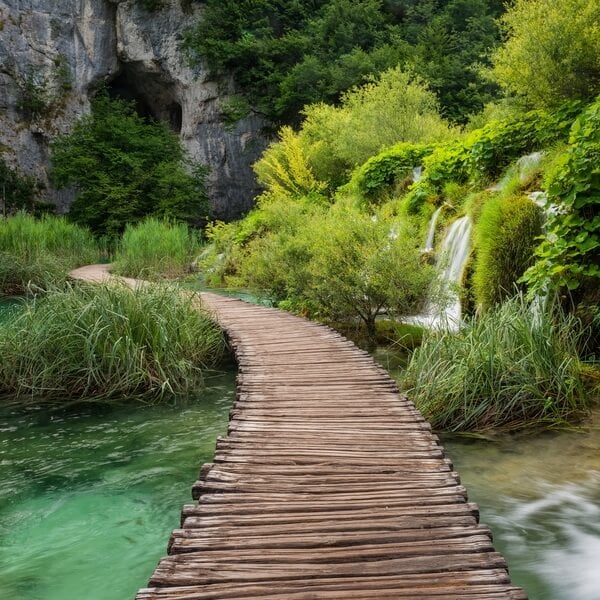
<point x="156" y="248"/>
<point x="505" y="240"/>
<point x="387" y="168"/>
<point x="339" y="264"/>
<point x="18" y="190"/>
<point x="94" y="342"/>
<point x="569" y="256"/>
<point x="510" y="368"/>
<point x="40" y="252"/>
<point x="552" y="53"/>
<point x="125" y="168"/>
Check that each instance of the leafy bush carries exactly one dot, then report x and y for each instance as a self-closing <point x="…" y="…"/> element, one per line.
<point x="505" y="240"/>
<point x="125" y="168"/>
<point x="96" y="342"/>
<point x="156" y="248"/>
<point x="339" y="264"/>
<point x="570" y="253"/>
<point x="484" y="153"/>
<point x="385" y="169"/>
<point x="40" y="252"/>
<point x="509" y="368"/>
<point x="552" y="53"/>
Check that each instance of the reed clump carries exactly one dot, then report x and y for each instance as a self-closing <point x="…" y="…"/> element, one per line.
<point x="512" y="367"/>
<point x="100" y="342"/>
<point x="38" y="253"/>
<point x="155" y="249"/>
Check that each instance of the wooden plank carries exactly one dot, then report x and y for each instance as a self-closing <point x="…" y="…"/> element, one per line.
<point x="329" y="484"/>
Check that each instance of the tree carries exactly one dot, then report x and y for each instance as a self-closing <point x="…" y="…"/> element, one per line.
<point x="124" y="168"/>
<point x="17" y="191"/>
<point x="552" y="53"/>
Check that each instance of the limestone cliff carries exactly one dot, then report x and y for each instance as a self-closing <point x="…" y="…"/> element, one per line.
<point x="55" y="53"/>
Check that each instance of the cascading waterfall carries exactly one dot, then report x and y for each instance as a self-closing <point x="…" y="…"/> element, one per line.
<point x="431" y="231"/>
<point x="443" y="310"/>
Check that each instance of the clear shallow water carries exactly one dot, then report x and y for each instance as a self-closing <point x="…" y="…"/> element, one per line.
<point x="90" y="495"/>
<point x="541" y="497"/>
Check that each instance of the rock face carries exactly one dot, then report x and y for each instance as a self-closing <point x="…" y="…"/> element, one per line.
<point x="54" y="54"/>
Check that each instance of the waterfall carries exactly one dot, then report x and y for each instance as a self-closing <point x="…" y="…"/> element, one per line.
<point x="417" y="172"/>
<point x="431" y="231"/>
<point x="443" y="312"/>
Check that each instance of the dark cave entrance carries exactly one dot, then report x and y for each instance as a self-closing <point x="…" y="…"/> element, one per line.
<point x="154" y="96"/>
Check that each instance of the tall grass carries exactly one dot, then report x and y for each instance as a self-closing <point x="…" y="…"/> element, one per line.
<point x="156" y="248"/>
<point x="509" y="368"/>
<point x="107" y="341"/>
<point x="40" y="252"/>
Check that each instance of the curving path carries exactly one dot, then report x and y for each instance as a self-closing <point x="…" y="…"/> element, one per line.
<point x="329" y="484"/>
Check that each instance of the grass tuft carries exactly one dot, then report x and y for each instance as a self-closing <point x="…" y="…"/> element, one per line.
<point x="510" y="368"/>
<point x="97" y="342"/>
<point x="156" y="249"/>
<point x="38" y="253"/>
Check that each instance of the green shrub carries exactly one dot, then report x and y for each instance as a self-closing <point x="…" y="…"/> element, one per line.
<point x="505" y="240"/>
<point x="552" y="52"/>
<point x="125" y="168"/>
<point x="384" y="170"/>
<point x="18" y="190"/>
<point x="341" y="264"/>
<point x="570" y="253"/>
<point x="512" y="367"/>
<point x="156" y="248"/>
<point x="107" y="341"/>
<point x="40" y="252"/>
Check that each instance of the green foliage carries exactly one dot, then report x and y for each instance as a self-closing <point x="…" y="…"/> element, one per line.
<point x="233" y="110"/>
<point x="34" y="97"/>
<point x="505" y="237"/>
<point x="484" y="153"/>
<point x="124" y="168"/>
<point x="570" y="253"/>
<point x="152" y="5"/>
<point x="508" y="368"/>
<point x="284" y="168"/>
<point x="39" y="253"/>
<point x="107" y="342"/>
<point x="285" y="55"/>
<point x="17" y="191"/>
<point x="552" y="53"/>
<point x="333" y="140"/>
<point x="338" y="264"/>
<point x="156" y="248"/>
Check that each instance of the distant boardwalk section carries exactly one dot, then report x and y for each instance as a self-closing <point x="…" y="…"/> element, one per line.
<point x="329" y="484"/>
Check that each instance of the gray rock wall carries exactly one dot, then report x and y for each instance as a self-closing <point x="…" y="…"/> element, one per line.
<point x="57" y="53"/>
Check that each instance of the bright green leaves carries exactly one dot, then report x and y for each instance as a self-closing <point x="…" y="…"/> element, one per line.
<point x="570" y="251"/>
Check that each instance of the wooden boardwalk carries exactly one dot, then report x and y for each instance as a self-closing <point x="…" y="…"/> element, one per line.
<point x="329" y="484"/>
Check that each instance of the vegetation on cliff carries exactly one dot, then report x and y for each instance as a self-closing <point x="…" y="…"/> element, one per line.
<point x="124" y="168"/>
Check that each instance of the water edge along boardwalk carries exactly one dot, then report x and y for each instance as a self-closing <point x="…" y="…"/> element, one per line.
<point x="329" y="484"/>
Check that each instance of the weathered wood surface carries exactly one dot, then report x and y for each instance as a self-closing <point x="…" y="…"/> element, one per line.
<point x="329" y="484"/>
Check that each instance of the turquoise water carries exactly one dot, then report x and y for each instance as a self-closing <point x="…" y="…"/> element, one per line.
<point x="540" y="494"/>
<point x="89" y="496"/>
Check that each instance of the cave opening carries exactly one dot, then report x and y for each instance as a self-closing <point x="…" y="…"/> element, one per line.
<point x="153" y="95"/>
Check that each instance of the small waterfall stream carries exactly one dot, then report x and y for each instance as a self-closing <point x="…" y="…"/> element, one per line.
<point x="443" y="310"/>
<point x="431" y="231"/>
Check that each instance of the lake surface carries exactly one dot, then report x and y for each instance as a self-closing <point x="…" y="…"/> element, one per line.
<point x="89" y="496"/>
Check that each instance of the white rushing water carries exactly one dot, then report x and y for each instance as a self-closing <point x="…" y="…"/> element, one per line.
<point x="431" y="231"/>
<point x="443" y="310"/>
